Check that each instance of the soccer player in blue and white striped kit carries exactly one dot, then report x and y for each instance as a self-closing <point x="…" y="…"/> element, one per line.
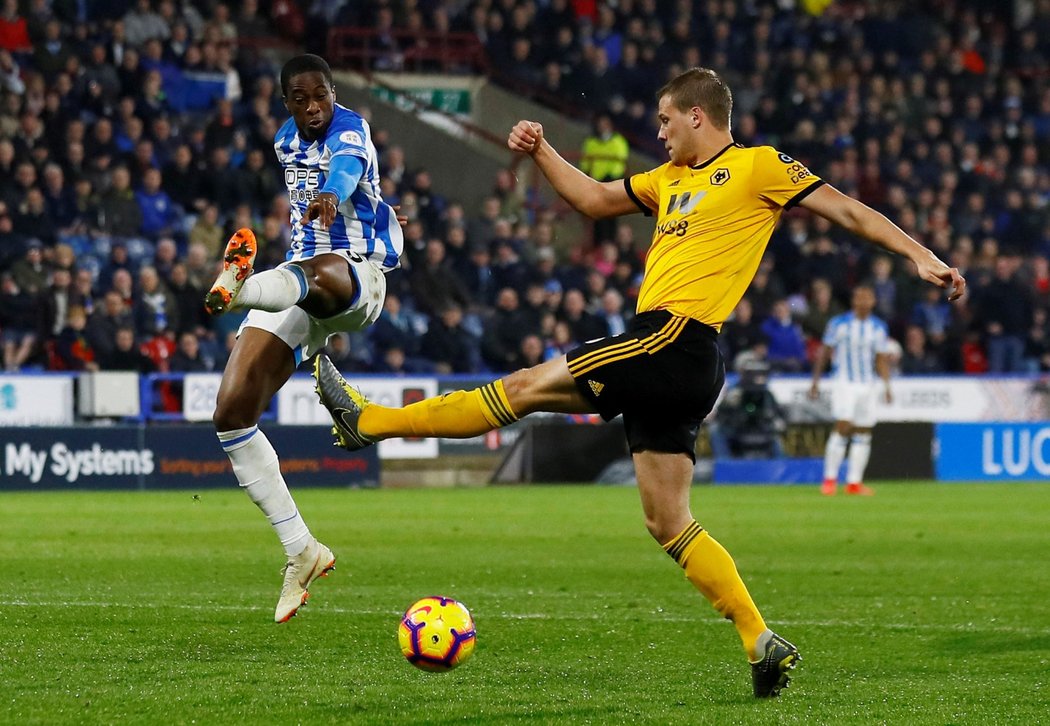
<point x="344" y="239"/>
<point x="859" y="343"/>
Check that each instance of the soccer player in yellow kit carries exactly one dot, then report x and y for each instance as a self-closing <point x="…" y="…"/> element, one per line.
<point x="716" y="204"/>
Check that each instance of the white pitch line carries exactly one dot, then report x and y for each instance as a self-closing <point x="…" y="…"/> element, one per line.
<point x="603" y="615"/>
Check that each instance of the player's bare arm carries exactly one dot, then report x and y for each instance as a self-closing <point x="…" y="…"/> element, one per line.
<point x="819" y="361"/>
<point x="882" y="367"/>
<point x="862" y="220"/>
<point x="593" y="198"/>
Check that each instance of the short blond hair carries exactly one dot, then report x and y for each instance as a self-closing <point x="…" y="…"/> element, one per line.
<point x="704" y="88"/>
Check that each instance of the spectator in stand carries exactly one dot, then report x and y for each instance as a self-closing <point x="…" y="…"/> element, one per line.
<point x="431" y="205"/>
<point x="341" y="352"/>
<point x="765" y="290"/>
<point x="165" y="257"/>
<point x="508" y="269"/>
<point x="583" y="324"/>
<point x="1004" y="308"/>
<point x="189" y="358"/>
<point x="604" y="157"/>
<point x="18" y="324"/>
<point x="394" y="329"/>
<point x="255" y="182"/>
<point x="1037" y="344"/>
<point x="560" y="342"/>
<point x="435" y="285"/>
<point x="183" y="179"/>
<point x="787" y="347"/>
<point x="482" y="228"/>
<point x="124" y="355"/>
<point x="200" y="268"/>
<point x="885" y="287"/>
<point x="503" y="332"/>
<point x="14" y="30"/>
<point x="534" y="307"/>
<point x="207" y="231"/>
<point x="54" y="303"/>
<point x="30" y="273"/>
<point x="448" y="345"/>
<point x="73" y="351"/>
<point x="83" y="293"/>
<point x="191" y="314"/>
<point x="59" y="198"/>
<point x="934" y="316"/>
<point x="530" y="352"/>
<point x="916" y="358"/>
<point x="51" y="53"/>
<point x="160" y="215"/>
<point x="395" y="363"/>
<point x="821" y="308"/>
<point x="159" y="346"/>
<point x="121" y="213"/>
<point x="103" y="324"/>
<point x="220" y="182"/>
<point x="155" y="309"/>
<point x="119" y="259"/>
<point x="612" y="312"/>
<point x="740" y="332"/>
<point x="142" y="24"/>
<point x="32" y="218"/>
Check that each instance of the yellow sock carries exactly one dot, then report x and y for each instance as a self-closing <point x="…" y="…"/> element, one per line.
<point x="711" y="569"/>
<point x="456" y="415"/>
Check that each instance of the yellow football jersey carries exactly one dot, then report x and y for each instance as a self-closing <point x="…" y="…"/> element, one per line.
<point x="713" y="222"/>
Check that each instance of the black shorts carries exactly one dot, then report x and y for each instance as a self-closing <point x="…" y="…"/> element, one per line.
<point x="663" y="374"/>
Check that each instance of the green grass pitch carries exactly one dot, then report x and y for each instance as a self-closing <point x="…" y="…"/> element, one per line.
<point x="924" y="604"/>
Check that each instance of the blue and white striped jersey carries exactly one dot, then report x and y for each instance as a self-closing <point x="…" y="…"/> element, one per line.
<point x="855" y="343"/>
<point x="364" y="222"/>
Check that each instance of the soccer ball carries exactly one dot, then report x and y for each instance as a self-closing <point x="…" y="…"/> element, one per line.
<point x="436" y="634"/>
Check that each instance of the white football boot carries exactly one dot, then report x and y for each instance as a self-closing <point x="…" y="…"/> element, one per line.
<point x="302" y="569"/>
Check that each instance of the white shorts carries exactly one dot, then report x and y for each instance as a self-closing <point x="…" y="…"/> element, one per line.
<point x="304" y="333"/>
<point x="855" y="402"/>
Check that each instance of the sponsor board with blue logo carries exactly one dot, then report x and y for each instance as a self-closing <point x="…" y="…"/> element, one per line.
<point x="992" y="451"/>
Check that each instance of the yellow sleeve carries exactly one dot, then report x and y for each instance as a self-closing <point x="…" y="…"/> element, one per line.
<point x="781" y="180"/>
<point x="644" y="190"/>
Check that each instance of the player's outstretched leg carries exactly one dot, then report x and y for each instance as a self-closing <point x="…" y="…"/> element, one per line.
<point x="461" y="414"/>
<point x="344" y="402"/>
<point x="237" y="265"/>
<point x="771" y="672"/>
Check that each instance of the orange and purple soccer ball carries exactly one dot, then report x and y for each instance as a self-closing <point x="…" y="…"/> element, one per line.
<point x="437" y="634"/>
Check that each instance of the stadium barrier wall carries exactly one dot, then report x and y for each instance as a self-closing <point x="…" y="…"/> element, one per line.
<point x="987" y="427"/>
<point x="140" y="456"/>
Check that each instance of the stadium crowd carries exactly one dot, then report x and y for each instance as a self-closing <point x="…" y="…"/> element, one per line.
<point x="136" y="136"/>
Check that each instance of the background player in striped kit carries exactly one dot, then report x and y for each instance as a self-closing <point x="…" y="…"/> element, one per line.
<point x="344" y="240"/>
<point x="858" y="344"/>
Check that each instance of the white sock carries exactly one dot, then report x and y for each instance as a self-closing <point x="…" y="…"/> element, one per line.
<point x="273" y="290"/>
<point x="259" y="473"/>
<point x="859" y="451"/>
<point x="834" y="453"/>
